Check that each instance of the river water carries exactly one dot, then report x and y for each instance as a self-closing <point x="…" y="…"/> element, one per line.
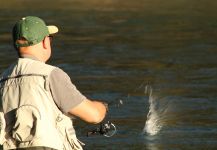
<point x="154" y="61"/>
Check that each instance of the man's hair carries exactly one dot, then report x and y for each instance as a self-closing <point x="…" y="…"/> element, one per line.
<point x="22" y="40"/>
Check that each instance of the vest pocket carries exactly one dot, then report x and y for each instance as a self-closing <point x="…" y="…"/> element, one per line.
<point x="67" y="133"/>
<point x="24" y="129"/>
<point x="72" y="140"/>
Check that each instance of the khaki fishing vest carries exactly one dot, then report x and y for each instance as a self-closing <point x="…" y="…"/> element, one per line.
<point x="32" y="118"/>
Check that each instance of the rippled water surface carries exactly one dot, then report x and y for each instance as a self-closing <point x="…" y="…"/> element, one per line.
<point x="114" y="49"/>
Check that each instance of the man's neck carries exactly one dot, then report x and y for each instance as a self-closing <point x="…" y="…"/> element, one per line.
<point x="29" y="56"/>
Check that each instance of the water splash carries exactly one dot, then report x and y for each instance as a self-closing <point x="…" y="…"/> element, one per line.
<point x="153" y="123"/>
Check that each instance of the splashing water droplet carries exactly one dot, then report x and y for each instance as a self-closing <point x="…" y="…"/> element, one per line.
<point x="121" y="102"/>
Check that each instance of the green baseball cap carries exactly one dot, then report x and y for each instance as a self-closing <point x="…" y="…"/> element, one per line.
<point x="33" y="30"/>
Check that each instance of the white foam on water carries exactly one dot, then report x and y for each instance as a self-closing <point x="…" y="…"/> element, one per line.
<point x="153" y="124"/>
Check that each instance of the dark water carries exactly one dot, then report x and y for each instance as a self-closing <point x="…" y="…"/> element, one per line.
<point x="113" y="49"/>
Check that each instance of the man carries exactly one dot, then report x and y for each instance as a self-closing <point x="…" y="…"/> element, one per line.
<point x="37" y="98"/>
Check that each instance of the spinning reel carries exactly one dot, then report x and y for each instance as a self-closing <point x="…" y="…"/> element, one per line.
<point x="106" y="129"/>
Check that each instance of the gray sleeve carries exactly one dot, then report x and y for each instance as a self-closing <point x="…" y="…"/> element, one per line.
<point x="64" y="92"/>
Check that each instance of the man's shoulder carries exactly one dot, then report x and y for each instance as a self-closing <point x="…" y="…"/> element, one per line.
<point x="30" y="66"/>
<point x="58" y="73"/>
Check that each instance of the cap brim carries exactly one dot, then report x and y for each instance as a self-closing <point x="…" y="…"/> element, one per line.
<point x="52" y="29"/>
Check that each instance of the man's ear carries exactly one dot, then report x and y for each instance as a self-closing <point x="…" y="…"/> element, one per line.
<point x="46" y="43"/>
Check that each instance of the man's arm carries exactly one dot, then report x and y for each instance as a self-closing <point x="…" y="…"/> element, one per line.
<point x="70" y="100"/>
<point x="90" y="111"/>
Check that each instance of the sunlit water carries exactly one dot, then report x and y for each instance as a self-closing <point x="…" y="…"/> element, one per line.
<point x="113" y="49"/>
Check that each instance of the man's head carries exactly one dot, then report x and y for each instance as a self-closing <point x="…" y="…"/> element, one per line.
<point x="31" y="36"/>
